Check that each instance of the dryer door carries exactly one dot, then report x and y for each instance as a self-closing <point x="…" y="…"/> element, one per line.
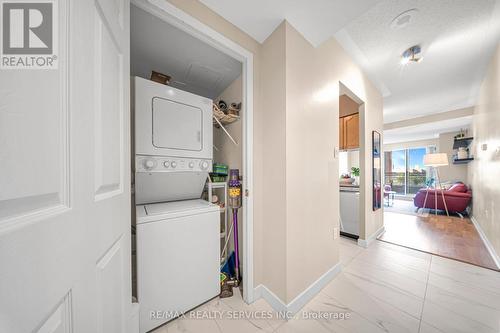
<point x="171" y="122"/>
<point x="176" y="125"/>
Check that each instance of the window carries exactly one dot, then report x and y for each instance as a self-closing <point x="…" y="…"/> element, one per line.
<point x="405" y="170"/>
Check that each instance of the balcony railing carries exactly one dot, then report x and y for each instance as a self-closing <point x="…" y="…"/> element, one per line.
<point x="405" y="183"/>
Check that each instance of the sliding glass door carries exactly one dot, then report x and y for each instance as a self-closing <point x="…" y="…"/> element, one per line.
<point x="395" y="170"/>
<point x="417" y="173"/>
<point x="405" y="171"/>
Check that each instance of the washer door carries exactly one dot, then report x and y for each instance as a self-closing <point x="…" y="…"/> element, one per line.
<point x="177" y="125"/>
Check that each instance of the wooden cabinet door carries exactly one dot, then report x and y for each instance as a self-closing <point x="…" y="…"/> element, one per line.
<point x="351" y="129"/>
<point x="341" y="133"/>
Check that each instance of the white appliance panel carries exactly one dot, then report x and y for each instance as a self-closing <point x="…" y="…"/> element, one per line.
<point x="176" y="125"/>
<point x="159" y="178"/>
<point x="177" y="259"/>
<point x="171" y="122"/>
<point x="349" y="212"/>
<point x="153" y="187"/>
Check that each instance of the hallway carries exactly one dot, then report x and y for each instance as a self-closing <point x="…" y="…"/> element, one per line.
<point x="384" y="288"/>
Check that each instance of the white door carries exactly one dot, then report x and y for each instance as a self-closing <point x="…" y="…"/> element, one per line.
<point x="64" y="179"/>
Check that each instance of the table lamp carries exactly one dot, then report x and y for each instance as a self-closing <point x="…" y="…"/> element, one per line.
<point x="436" y="160"/>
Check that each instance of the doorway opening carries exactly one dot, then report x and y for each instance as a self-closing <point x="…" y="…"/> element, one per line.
<point x="352" y="172"/>
<point x="197" y="60"/>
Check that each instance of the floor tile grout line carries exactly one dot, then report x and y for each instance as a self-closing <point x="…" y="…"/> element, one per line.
<point x="458" y="314"/>
<point x="425" y="294"/>
<point x="383" y="284"/>
<point x="390" y="270"/>
<point x="385" y="302"/>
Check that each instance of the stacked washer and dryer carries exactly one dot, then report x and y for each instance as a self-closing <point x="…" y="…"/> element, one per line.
<point x="177" y="233"/>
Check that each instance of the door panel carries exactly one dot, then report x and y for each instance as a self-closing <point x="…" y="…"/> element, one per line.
<point x="341" y="133"/>
<point x="108" y="111"/>
<point x="64" y="187"/>
<point x="110" y="270"/>
<point x="60" y="320"/>
<point x="34" y="157"/>
<point x="352" y="131"/>
<point x="111" y="255"/>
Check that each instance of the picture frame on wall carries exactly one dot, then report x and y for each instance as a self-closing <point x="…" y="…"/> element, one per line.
<point x="376" y="170"/>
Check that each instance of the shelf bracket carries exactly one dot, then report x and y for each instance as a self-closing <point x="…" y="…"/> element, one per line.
<point x="225" y="131"/>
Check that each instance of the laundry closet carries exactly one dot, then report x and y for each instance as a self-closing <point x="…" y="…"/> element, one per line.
<point x="187" y="162"/>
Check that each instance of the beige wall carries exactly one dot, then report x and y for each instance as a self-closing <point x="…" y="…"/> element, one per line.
<point x="311" y="131"/>
<point x="273" y="94"/>
<point x="295" y="187"/>
<point x="484" y="171"/>
<point x="451" y="172"/>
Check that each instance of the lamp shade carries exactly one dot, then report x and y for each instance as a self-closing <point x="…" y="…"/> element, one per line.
<point x="435" y="160"/>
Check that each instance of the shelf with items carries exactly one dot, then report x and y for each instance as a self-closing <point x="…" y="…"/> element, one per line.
<point x="220" y="119"/>
<point x="224" y="118"/>
<point x="462" y="160"/>
<point x="211" y="189"/>
<point x="462" y="142"/>
<point x="461" y="149"/>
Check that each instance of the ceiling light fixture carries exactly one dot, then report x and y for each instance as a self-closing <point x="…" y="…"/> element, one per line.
<point x="411" y="55"/>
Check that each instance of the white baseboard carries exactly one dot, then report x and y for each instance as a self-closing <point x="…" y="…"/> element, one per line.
<point x="486" y="242"/>
<point x="302" y="299"/>
<point x="366" y="242"/>
<point x="274" y="301"/>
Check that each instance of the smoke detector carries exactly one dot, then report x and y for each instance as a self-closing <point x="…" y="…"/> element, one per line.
<point x="412" y="54"/>
<point x="404" y="19"/>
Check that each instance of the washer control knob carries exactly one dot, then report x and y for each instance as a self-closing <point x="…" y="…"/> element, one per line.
<point x="173" y="164"/>
<point x="166" y="164"/>
<point x="204" y="165"/>
<point x="149" y="164"/>
<point x="191" y="165"/>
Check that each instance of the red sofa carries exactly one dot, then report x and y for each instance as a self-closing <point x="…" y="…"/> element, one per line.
<point x="457" y="198"/>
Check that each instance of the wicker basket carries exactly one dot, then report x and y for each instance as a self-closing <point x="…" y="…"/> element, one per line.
<point x="225" y="119"/>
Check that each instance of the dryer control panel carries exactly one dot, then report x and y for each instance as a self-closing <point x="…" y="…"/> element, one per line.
<point x="145" y="163"/>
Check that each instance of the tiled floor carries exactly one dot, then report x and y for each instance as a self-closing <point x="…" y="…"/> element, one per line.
<point x="385" y="288"/>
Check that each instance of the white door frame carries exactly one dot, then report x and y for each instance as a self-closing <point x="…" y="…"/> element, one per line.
<point x="180" y="19"/>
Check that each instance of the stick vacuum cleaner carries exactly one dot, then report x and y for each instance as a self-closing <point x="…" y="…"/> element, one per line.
<point x="234" y="203"/>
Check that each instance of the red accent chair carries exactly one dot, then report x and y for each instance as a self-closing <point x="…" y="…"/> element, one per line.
<point x="457" y="198"/>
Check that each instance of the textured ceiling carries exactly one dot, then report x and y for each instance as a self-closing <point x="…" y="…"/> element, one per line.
<point x="458" y="38"/>
<point x="317" y="20"/>
<point x="194" y="66"/>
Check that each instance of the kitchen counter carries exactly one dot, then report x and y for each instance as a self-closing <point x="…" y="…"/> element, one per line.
<point x="349" y="188"/>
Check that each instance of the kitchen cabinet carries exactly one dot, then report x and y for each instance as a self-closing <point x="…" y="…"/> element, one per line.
<point x="349" y="131"/>
<point x="342" y="133"/>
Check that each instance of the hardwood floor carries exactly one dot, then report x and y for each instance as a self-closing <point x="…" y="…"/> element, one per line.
<point x="450" y="237"/>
